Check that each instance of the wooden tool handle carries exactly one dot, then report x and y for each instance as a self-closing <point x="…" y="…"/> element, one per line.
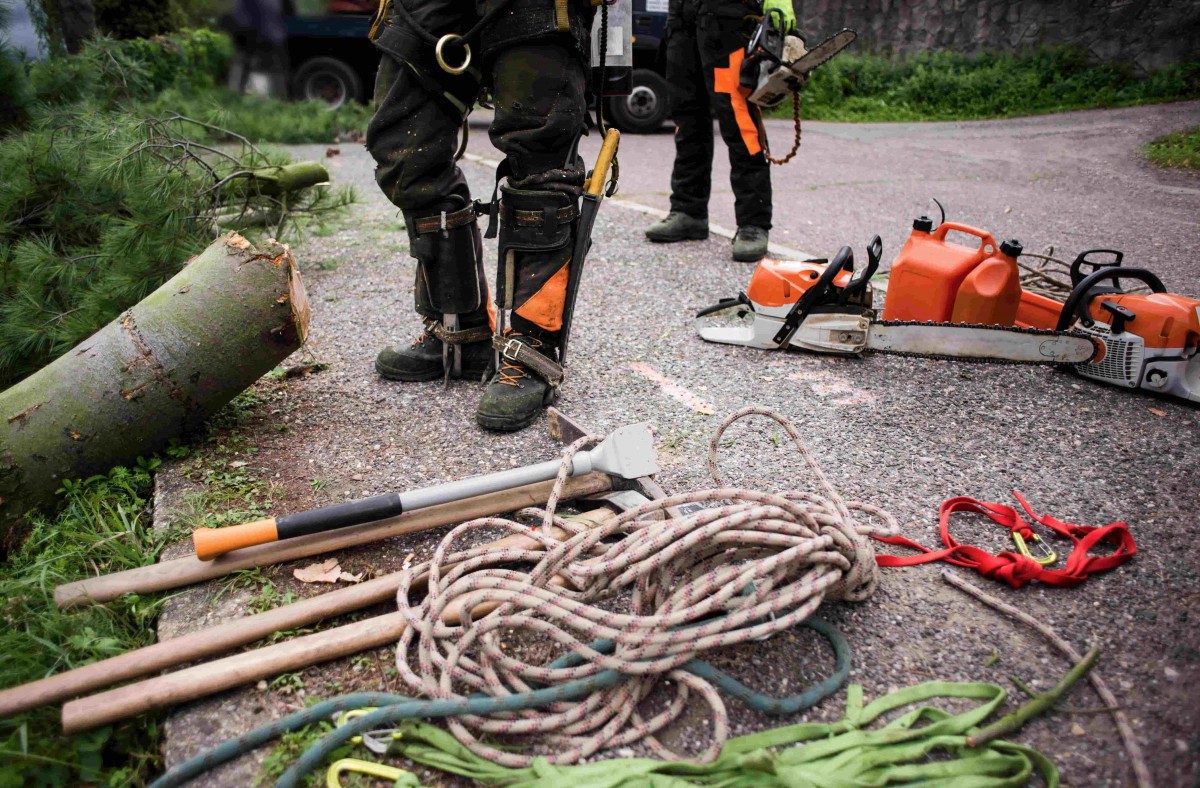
<point x="608" y="151"/>
<point x="212" y="542"/>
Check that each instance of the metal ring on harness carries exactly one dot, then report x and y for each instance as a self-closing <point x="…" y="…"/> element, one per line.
<point x="441" y="61"/>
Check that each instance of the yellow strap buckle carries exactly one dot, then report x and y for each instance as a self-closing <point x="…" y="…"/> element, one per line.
<point x="1047" y="557"/>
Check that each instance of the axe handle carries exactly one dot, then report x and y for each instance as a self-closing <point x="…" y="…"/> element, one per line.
<point x="608" y="152"/>
<point x="247" y="667"/>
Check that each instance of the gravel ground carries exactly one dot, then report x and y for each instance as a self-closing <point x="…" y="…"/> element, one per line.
<point x="905" y="434"/>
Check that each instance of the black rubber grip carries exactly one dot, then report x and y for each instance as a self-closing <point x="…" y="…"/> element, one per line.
<point x="340" y="515"/>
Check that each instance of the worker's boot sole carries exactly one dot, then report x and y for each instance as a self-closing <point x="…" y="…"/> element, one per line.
<point x="515" y="422"/>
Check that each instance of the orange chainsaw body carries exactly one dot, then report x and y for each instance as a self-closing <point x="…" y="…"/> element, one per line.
<point x="777" y="283"/>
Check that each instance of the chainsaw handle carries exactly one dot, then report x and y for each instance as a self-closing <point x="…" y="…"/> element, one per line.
<point x="983" y="235"/>
<point x="1077" y="303"/>
<point x="814" y="296"/>
<point x="858" y="283"/>
<point x="1082" y="260"/>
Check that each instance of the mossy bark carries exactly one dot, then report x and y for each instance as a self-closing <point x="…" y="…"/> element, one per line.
<point x="157" y="372"/>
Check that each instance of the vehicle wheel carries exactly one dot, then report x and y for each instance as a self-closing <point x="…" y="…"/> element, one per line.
<point x="327" y="79"/>
<point x="646" y="107"/>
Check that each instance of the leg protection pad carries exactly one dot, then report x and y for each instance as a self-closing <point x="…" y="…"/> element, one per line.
<point x="449" y="254"/>
<point x="537" y="230"/>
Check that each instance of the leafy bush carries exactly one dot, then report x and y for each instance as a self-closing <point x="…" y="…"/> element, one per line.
<point x="950" y="86"/>
<point x="103" y="527"/>
<point x="265" y="119"/>
<point x="143" y="19"/>
<point x="1180" y="150"/>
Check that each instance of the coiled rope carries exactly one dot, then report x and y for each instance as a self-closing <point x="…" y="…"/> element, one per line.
<point x="744" y="569"/>
<point x="672" y="589"/>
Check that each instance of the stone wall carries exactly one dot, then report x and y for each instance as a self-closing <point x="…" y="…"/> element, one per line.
<point x="1150" y="33"/>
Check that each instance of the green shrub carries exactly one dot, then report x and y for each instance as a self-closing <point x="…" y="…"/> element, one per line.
<point x="142" y="19"/>
<point x="1180" y="150"/>
<point x="950" y="86"/>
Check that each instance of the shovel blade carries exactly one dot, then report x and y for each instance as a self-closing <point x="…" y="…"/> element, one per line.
<point x="627" y="453"/>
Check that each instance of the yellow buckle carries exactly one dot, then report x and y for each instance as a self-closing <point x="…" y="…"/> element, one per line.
<point x="334" y="775"/>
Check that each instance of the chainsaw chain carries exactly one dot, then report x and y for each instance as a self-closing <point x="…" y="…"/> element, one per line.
<point x="1096" y="347"/>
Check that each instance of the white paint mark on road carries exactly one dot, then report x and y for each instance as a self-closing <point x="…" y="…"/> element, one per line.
<point x="827" y="384"/>
<point x="673" y="389"/>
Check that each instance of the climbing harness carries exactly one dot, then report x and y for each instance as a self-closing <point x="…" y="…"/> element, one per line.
<point x="1017" y="568"/>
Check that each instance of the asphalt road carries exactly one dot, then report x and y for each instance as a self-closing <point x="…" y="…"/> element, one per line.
<point x="905" y="434"/>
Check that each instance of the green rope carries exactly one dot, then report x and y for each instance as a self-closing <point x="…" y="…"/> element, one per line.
<point x="400" y="709"/>
<point x="835" y="754"/>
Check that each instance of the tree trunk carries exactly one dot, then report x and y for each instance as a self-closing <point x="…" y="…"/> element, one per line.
<point x="157" y="372"/>
<point x="77" y="19"/>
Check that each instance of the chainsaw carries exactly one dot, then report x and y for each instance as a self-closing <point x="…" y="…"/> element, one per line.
<point x="777" y="65"/>
<point x="1132" y="340"/>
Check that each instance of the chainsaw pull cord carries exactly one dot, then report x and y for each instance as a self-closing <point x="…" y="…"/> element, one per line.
<point x="1012" y="567"/>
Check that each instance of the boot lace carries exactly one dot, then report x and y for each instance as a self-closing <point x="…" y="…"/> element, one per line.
<point x="510" y="372"/>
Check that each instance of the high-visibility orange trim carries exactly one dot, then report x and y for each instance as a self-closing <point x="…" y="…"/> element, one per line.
<point x="725" y="80"/>
<point x="545" y="308"/>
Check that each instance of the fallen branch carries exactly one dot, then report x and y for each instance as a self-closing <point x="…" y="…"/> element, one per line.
<point x="1134" y="750"/>
<point x="1011" y="723"/>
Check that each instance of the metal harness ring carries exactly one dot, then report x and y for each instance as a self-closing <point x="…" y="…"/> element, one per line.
<point x="441" y="61"/>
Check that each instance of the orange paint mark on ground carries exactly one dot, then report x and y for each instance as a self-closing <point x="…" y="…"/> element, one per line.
<point x="673" y="389"/>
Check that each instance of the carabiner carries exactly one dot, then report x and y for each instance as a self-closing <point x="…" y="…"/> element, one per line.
<point x="438" y="55"/>
<point x="333" y="777"/>
<point x="1048" y="556"/>
<point x="376" y="741"/>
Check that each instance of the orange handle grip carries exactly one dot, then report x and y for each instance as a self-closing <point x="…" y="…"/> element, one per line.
<point x="212" y="542"/>
<point x="983" y="235"/>
<point x="608" y="151"/>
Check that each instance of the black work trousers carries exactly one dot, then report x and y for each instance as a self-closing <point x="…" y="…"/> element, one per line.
<point x="704" y="55"/>
<point x="538" y="84"/>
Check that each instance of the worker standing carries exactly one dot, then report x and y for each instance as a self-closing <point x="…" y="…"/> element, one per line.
<point x="705" y="46"/>
<point x="532" y="56"/>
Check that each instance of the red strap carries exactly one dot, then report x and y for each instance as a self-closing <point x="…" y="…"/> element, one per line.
<point x="1012" y="567"/>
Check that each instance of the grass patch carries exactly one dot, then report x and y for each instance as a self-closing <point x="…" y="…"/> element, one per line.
<point x="104" y="527"/>
<point x="949" y="86"/>
<point x="1178" y="151"/>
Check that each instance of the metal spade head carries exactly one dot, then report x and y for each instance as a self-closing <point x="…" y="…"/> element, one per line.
<point x="627" y="453"/>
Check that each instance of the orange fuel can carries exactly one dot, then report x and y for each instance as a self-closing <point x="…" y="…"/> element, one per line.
<point x="936" y="280"/>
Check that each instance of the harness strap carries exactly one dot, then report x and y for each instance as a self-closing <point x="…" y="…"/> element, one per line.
<point x="513" y="349"/>
<point x="549" y="218"/>
<point x="461" y="337"/>
<point x="443" y="221"/>
<point x="1012" y="567"/>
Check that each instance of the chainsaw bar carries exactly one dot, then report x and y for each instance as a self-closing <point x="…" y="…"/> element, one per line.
<point x="909" y="338"/>
<point x="823" y="51"/>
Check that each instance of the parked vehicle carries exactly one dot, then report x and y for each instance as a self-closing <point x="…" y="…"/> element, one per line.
<point x="332" y="61"/>
<point x="646" y="108"/>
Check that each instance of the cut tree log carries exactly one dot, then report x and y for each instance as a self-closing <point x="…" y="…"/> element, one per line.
<point x="157" y="372"/>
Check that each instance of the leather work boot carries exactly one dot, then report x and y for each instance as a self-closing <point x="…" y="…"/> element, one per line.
<point x="678" y="227"/>
<point x="750" y="244"/>
<point x="422" y="360"/>
<point x="514" y="396"/>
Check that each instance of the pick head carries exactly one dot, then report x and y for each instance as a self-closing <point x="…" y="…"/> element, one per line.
<point x="627" y="453"/>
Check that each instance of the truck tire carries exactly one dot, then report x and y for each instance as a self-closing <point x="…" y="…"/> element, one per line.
<point x="327" y="79"/>
<point x="646" y="107"/>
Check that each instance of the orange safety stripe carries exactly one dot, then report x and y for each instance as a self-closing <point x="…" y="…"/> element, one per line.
<point x="545" y="308"/>
<point x="725" y="80"/>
